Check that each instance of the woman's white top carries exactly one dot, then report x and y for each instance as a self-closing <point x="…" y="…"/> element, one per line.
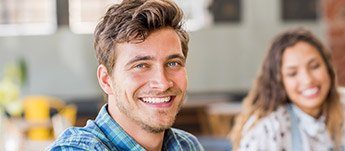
<point x="273" y="132"/>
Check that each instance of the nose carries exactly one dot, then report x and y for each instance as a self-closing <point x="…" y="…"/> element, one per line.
<point x="306" y="77"/>
<point x="160" y="80"/>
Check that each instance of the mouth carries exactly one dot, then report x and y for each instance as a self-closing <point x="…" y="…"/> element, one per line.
<point x="158" y="101"/>
<point x="310" y="92"/>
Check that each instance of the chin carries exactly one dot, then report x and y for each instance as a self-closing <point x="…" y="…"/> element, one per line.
<point x="157" y="129"/>
<point x="165" y="125"/>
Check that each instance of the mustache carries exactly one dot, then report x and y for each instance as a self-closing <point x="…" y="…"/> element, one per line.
<point x="170" y="91"/>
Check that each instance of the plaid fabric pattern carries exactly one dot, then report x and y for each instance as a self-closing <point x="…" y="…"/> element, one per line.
<point x="104" y="134"/>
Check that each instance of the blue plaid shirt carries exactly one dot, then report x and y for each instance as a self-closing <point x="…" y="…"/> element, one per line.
<point x="104" y="134"/>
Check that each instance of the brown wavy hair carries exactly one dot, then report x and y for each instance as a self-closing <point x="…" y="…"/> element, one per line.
<point x="268" y="92"/>
<point x="134" y="21"/>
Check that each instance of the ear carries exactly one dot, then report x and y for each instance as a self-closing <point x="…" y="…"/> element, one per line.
<point x="104" y="79"/>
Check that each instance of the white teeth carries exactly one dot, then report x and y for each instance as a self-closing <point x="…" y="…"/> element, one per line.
<point x="156" y="100"/>
<point x="311" y="91"/>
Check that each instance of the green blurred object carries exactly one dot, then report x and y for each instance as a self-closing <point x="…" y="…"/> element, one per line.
<point x="17" y="72"/>
<point x="23" y="71"/>
<point x="14" y="78"/>
<point x="8" y="92"/>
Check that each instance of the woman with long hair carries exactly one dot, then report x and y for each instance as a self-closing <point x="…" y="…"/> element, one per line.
<point x="294" y="104"/>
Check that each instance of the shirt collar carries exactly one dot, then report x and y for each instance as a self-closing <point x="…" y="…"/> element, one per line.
<point x="113" y="131"/>
<point x="309" y="124"/>
<point x="121" y="140"/>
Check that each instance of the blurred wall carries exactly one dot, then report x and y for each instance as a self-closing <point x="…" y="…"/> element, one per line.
<point x="222" y="57"/>
<point x="227" y="56"/>
<point x="335" y="17"/>
<point x="62" y="64"/>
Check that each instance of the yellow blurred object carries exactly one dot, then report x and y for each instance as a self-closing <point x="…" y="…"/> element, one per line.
<point x="36" y="110"/>
<point x="70" y="113"/>
<point x="65" y="119"/>
<point x="37" y="114"/>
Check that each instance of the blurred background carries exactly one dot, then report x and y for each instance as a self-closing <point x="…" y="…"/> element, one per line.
<point x="47" y="55"/>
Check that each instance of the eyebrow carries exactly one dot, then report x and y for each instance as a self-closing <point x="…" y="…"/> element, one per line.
<point x="139" y="58"/>
<point x="142" y="58"/>
<point x="308" y="63"/>
<point x="179" y="56"/>
<point x="312" y="60"/>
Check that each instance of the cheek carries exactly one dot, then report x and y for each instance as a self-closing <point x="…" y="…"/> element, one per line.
<point x="131" y="82"/>
<point x="180" y="78"/>
<point x="325" y="78"/>
<point x="289" y="86"/>
<point x="136" y="80"/>
<point x="323" y="75"/>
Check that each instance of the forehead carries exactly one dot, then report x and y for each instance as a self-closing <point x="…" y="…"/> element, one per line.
<point x="300" y="54"/>
<point x="159" y="43"/>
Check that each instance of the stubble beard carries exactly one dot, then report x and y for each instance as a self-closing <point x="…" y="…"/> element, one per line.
<point x="145" y="125"/>
<point x="127" y="110"/>
<point x="157" y="129"/>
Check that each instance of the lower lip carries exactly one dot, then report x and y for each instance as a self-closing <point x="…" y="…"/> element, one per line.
<point x="161" y="105"/>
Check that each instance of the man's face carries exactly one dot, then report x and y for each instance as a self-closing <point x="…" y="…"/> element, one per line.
<point x="149" y="80"/>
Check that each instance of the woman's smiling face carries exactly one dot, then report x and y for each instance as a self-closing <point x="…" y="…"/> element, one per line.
<point x="305" y="77"/>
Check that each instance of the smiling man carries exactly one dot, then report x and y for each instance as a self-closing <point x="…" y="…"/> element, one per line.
<point x="141" y="49"/>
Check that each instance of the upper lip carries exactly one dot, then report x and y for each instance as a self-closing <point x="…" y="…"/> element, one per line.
<point x="161" y="96"/>
<point x="309" y="87"/>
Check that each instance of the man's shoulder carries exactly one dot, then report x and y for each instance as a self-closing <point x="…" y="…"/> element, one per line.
<point x="186" y="140"/>
<point x="78" y="138"/>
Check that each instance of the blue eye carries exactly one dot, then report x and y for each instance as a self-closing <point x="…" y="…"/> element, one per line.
<point x="172" y="64"/>
<point x="139" y="66"/>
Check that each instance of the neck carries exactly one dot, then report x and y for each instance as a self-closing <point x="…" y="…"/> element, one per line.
<point x="316" y="112"/>
<point x="150" y="141"/>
